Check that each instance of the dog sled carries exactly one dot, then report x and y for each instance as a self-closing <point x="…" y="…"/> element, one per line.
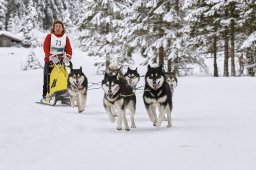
<point x="57" y="84"/>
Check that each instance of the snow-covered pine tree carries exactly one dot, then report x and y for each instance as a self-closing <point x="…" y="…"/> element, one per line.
<point x="175" y="42"/>
<point x="29" y="23"/>
<point x="3" y="11"/>
<point x="16" y="24"/>
<point x="50" y="14"/>
<point x="69" y="26"/>
<point x="228" y="16"/>
<point x="31" y="62"/>
<point x="10" y="23"/>
<point x="41" y="8"/>
<point x="248" y="28"/>
<point x="101" y="22"/>
<point x="77" y="10"/>
<point x="203" y="28"/>
<point x="151" y="24"/>
<point x="229" y="11"/>
<point x="16" y="7"/>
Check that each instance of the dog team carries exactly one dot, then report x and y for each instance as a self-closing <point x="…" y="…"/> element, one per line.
<point x="120" y="96"/>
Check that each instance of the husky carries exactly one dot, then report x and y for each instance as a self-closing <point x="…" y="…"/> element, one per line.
<point x="114" y="70"/>
<point x="171" y="80"/>
<point x="132" y="77"/>
<point x="157" y="93"/>
<point x="77" y="88"/>
<point x="120" y="96"/>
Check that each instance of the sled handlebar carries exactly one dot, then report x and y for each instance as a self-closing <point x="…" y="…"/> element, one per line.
<point x="56" y="59"/>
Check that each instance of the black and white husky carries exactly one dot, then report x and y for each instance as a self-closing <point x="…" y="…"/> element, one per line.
<point x="132" y="77"/>
<point x="115" y="70"/>
<point x="157" y="94"/>
<point x="171" y="80"/>
<point x="77" y="88"/>
<point x="120" y="96"/>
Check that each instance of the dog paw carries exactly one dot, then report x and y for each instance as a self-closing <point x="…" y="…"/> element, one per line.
<point x="128" y="129"/>
<point x="80" y="111"/>
<point x="169" y="125"/>
<point x="158" y="125"/>
<point x="133" y="126"/>
<point x="119" y="128"/>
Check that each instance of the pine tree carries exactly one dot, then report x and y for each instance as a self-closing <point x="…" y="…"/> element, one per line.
<point x="248" y="22"/>
<point x="16" y="22"/>
<point x="3" y="11"/>
<point x="29" y="23"/>
<point x="10" y="24"/>
<point x="40" y="8"/>
<point x="203" y="28"/>
<point x="99" y="25"/>
<point x="31" y="62"/>
<point x="147" y="28"/>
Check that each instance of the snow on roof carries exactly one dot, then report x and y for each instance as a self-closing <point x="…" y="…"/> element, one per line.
<point x="11" y="35"/>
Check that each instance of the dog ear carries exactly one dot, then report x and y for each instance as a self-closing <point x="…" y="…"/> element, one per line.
<point x="136" y="68"/>
<point x="120" y="67"/>
<point x="129" y="69"/>
<point x="149" y="67"/>
<point x="81" y="68"/>
<point x="105" y="75"/>
<point x="160" y="68"/>
<point x="71" y="66"/>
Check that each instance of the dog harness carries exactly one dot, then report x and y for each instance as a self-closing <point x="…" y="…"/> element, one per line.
<point x="58" y="44"/>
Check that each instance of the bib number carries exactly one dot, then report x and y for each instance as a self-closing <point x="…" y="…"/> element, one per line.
<point x="58" y="42"/>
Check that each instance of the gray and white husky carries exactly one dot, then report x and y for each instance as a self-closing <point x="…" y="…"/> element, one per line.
<point x="77" y="88"/>
<point x="115" y="70"/>
<point x="171" y="80"/>
<point x="117" y="94"/>
<point x="157" y="94"/>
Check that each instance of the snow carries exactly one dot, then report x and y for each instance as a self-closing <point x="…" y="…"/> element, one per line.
<point x="9" y="34"/>
<point x="249" y="41"/>
<point x="213" y="125"/>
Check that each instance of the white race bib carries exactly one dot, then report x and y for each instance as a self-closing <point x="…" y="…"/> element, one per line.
<point x="58" y="44"/>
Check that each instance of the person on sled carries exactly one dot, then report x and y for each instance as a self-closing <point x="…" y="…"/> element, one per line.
<point x="56" y="44"/>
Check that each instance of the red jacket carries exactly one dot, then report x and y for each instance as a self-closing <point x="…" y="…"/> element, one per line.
<point x="47" y="46"/>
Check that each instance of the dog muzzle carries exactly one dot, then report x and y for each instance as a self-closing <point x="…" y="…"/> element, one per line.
<point x="110" y="94"/>
<point x="156" y="86"/>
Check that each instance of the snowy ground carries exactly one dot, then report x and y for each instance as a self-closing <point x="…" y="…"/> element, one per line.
<point x="213" y="126"/>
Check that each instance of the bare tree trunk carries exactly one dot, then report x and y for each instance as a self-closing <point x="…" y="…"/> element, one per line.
<point x="250" y="61"/>
<point x="161" y="55"/>
<point x="107" y="54"/>
<point x="177" y="7"/>
<point x="226" y="56"/>
<point x="232" y="48"/>
<point x="169" y="68"/>
<point x="161" y="48"/>
<point x="215" y="66"/>
<point x="226" y="73"/>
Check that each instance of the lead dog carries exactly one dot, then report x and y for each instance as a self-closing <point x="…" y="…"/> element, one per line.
<point x="157" y="94"/>
<point x="120" y="96"/>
